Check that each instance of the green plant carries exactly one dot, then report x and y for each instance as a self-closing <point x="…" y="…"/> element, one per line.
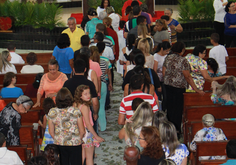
<point x="37" y="15"/>
<point x="195" y="10"/>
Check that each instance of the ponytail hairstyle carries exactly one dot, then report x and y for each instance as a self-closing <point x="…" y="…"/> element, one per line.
<point x="164" y="45"/>
<point x="213" y="64"/>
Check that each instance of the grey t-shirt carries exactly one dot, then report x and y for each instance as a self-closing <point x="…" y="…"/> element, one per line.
<point x="159" y="36"/>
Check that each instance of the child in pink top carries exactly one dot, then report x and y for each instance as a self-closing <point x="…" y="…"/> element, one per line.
<point x="91" y="139"/>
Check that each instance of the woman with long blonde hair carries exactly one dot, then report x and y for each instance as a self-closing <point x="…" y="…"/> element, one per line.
<point x="144" y="46"/>
<point x="142" y="117"/>
<point x="143" y="33"/>
<point x="5" y="65"/>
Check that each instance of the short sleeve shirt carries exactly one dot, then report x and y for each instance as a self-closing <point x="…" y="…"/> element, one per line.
<point x="197" y="64"/>
<point x="159" y="36"/>
<point x="175" y="65"/>
<point x="180" y="153"/>
<point x="66" y="131"/>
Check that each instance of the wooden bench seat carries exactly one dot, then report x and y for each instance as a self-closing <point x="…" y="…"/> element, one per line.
<point x="19" y="66"/>
<point x="22" y="78"/>
<point x="41" y="57"/>
<point x="210" y="149"/>
<point x="21" y="151"/>
<point x="27" y="138"/>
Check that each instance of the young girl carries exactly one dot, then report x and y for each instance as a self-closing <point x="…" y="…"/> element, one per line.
<point x="224" y="94"/>
<point x="9" y="89"/>
<point x="48" y="103"/>
<point x="213" y="68"/>
<point x="91" y="139"/>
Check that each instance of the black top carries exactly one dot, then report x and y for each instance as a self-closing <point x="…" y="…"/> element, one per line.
<point x="10" y="124"/>
<point x="77" y="80"/>
<point x="131" y="73"/>
<point x="146" y="160"/>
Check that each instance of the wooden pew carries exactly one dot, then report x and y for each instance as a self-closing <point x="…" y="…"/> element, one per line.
<point x="228" y="128"/>
<point x="41" y="57"/>
<point x="32" y="116"/>
<point x="210" y="149"/>
<point x="19" y="66"/>
<point x="193" y="99"/>
<point x="27" y="138"/>
<point x="22" y="78"/>
<point x="22" y="86"/>
<point x="21" y="151"/>
<point x="207" y="84"/>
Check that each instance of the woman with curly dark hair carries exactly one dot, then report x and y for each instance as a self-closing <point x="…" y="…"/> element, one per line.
<point x="51" y="152"/>
<point x="66" y="128"/>
<point x="150" y="140"/>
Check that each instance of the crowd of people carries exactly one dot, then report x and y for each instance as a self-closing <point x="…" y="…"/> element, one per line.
<point x="155" y="75"/>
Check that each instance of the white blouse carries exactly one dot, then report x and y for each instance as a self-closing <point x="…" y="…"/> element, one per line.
<point x="219" y="10"/>
<point x="8" y="69"/>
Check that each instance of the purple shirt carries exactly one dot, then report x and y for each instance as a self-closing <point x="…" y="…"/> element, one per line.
<point x="147" y="17"/>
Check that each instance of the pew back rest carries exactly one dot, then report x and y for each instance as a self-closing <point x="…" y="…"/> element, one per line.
<point x="27" y="137"/>
<point x="210" y="149"/>
<point x="32" y="116"/>
<point x="21" y="151"/>
<point x="22" y="78"/>
<point x="193" y="99"/>
<point x="41" y="57"/>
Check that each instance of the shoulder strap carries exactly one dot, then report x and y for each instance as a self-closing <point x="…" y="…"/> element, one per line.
<point x="150" y="74"/>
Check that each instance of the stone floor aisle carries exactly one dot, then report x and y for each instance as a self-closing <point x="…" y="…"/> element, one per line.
<point x="111" y="151"/>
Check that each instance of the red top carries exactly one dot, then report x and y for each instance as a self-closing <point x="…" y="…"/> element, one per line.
<point x="113" y="34"/>
<point x="126" y="4"/>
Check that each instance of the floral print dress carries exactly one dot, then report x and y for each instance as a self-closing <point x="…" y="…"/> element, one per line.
<point x="197" y="64"/>
<point x="208" y="134"/>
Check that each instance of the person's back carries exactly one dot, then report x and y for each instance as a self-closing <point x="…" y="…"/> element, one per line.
<point x="7" y="156"/>
<point x="219" y="53"/>
<point x="15" y="58"/>
<point x="208" y="133"/>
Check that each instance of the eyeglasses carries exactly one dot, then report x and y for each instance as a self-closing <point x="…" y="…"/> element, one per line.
<point x="140" y="138"/>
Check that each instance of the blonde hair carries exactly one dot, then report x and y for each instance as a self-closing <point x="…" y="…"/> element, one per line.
<point x="141" y="117"/>
<point x="95" y="54"/>
<point x="144" y="46"/>
<point x="142" y="30"/>
<point x="162" y="22"/>
<point x="107" y="21"/>
<point x="169" y="136"/>
<point x="229" y="87"/>
<point x="3" y="60"/>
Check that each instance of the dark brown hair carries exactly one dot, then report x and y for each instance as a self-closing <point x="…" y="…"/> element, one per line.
<point x="8" y="78"/>
<point x="64" y="98"/>
<point x="31" y="58"/>
<point x="48" y="103"/>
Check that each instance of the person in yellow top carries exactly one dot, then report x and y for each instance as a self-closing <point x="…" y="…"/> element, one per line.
<point x="74" y="34"/>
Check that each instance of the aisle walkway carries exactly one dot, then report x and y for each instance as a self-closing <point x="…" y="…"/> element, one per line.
<point x="111" y="151"/>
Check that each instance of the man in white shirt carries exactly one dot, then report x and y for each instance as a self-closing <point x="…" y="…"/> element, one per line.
<point x="219" y="53"/>
<point x="6" y="156"/>
<point x="15" y="58"/>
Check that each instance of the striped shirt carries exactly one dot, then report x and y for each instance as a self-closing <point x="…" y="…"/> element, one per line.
<point x="126" y="103"/>
<point x="130" y="24"/>
<point x="104" y="67"/>
<point x="106" y="40"/>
